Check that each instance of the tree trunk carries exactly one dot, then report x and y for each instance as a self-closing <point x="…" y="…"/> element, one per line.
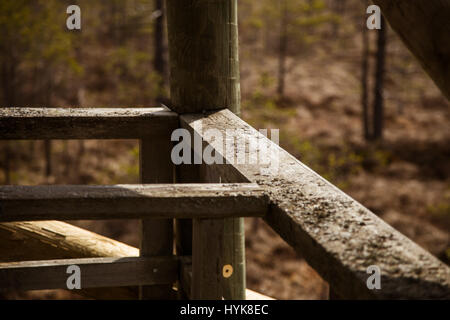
<point x="364" y="80"/>
<point x="424" y="26"/>
<point x="159" y="62"/>
<point x="339" y="9"/>
<point x="282" y="48"/>
<point x="48" y="157"/>
<point x="379" y="82"/>
<point x="7" y="163"/>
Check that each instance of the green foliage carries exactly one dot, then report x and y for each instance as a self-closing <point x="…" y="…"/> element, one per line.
<point x="35" y="43"/>
<point x="333" y="165"/>
<point x="303" y="20"/>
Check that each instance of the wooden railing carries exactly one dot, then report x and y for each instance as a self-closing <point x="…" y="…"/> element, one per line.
<point x="337" y="236"/>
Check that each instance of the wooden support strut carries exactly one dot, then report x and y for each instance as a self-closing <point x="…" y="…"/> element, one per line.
<point x="60" y="240"/>
<point x="47" y="240"/>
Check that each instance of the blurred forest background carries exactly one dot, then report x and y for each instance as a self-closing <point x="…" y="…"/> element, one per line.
<point x="351" y="103"/>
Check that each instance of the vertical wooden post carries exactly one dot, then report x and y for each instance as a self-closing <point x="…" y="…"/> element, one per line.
<point x="206" y="262"/>
<point x="185" y="173"/>
<point x="156" y="234"/>
<point x="204" y="68"/>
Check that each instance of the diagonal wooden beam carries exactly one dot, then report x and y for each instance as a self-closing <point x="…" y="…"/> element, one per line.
<point x="338" y="237"/>
<point x="21" y="241"/>
<point x="214" y="201"/>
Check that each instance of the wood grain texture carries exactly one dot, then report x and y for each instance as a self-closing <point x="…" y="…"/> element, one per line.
<point x="204" y="75"/>
<point x="232" y="249"/>
<point x="186" y="279"/>
<point x="207" y="242"/>
<point x="337" y="236"/>
<point x="65" y="202"/>
<point x="424" y="26"/>
<point x="84" y="123"/>
<point x="156" y="234"/>
<point x="203" y="49"/>
<point x="94" y="273"/>
<point x="185" y="173"/>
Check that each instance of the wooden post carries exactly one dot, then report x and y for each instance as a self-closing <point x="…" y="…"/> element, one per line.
<point x="206" y="260"/>
<point x="156" y="234"/>
<point x="204" y="68"/>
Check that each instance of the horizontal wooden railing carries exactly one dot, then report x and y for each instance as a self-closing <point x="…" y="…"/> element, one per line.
<point x="156" y="201"/>
<point x="338" y="237"/>
<point x="82" y="123"/>
<point x="95" y="273"/>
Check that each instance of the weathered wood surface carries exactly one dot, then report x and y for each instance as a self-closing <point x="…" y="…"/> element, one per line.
<point x="84" y="123"/>
<point x="337" y="236"/>
<point x="156" y="234"/>
<point x="59" y="240"/>
<point x="66" y="202"/>
<point x="186" y="281"/>
<point x="20" y="241"/>
<point x="94" y="273"/>
<point x="207" y="250"/>
<point x="204" y="75"/>
<point x="232" y="251"/>
<point x="424" y="26"/>
<point x="203" y="49"/>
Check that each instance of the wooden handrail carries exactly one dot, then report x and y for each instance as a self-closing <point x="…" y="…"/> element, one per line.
<point x="85" y="123"/>
<point x="338" y="237"/>
<point x="71" y="202"/>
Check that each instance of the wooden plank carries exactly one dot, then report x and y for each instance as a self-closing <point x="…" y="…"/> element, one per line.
<point x="424" y="26"/>
<point x="84" y="123"/>
<point x="64" y="202"/>
<point x="156" y="235"/>
<point x="337" y="236"/>
<point x="47" y="240"/>
<point x="94" y="273"/>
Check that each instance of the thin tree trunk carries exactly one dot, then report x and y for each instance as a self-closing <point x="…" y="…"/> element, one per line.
<point x="424" y="26"/>
<point x="7" y="163"/>
<point x="364" y="79"/>
<point x="159" y="63"/>
<point x="282" y="49"/>
<point x="48" y="159"/>
<point x="339" y="9"/>
<point x="379" y="82"/>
